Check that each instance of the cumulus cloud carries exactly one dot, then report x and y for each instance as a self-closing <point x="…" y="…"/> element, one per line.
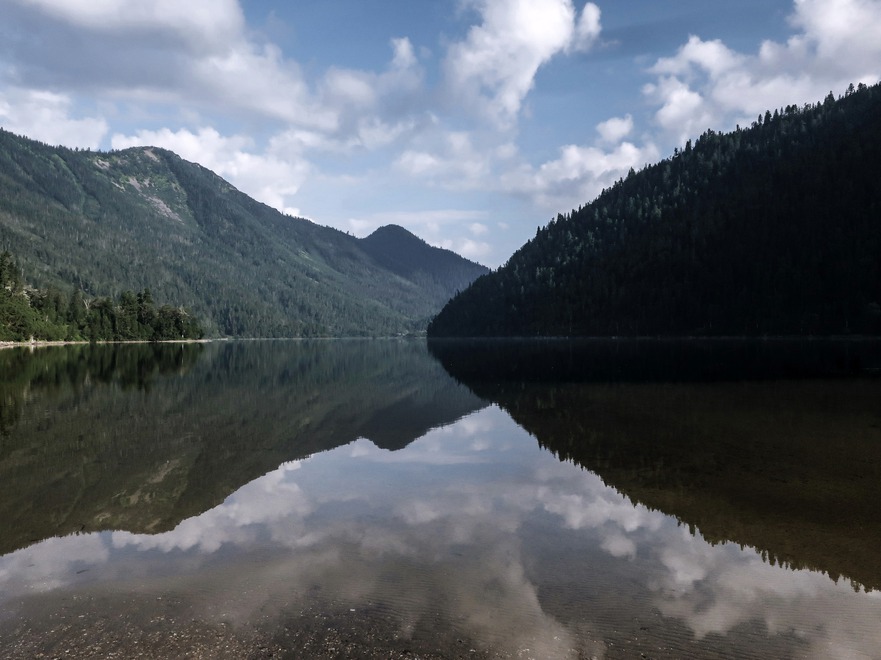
<point x="46" y="116"/>
<point x="453" y="160"/>
<point x="494" y="68"/>
<point x="844" y="33"/>
<point x="615" y="129"/>
<point x="708" y="85"/>
<point x="468" y="248"/>
<point x="579" y="173"/>
<point x="195" y="54"/>
<point x="347" y="88"/>
<point x="208" y="21"/>
<point x="588" y="29"/>
<point x="712" y="56"/>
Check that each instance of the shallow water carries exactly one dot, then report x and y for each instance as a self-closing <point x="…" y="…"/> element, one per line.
<point x="232" y="501"/>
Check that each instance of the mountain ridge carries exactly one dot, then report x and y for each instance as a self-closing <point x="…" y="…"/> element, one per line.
<point x="143" y="218"/>
<point x="768" y="230"/>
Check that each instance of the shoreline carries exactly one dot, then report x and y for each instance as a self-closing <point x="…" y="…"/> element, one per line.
<point x="42" y="343"/>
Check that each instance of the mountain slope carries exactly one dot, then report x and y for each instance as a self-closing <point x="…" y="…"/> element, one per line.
<point x="775" y="229"/>
<point x="145" y="218"/>
<point x="441" y="272"/>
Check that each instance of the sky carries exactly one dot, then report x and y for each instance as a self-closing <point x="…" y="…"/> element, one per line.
<point x="469" y="122"/>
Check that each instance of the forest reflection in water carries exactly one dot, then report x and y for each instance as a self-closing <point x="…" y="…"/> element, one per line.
<point x="248" y="512"/>
<point x="771" y="444"/>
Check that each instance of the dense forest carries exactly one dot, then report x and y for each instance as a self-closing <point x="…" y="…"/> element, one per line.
<point x="52" y="315"/>
<point x="144" y="218"/>
<point x="773" y="229"/>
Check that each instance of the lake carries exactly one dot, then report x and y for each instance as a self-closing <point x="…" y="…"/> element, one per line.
<point x="397" y="498"/>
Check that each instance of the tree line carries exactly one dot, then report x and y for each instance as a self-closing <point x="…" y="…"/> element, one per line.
<point x="51" y="314"/>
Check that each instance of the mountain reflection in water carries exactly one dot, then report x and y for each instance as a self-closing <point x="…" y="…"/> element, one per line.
<point x="763" y="443"/>
<point x="140" y="437"/>
<point x="470" y="541"/>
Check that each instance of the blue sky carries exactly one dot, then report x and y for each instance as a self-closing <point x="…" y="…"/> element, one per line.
<point x="470" y="122"/>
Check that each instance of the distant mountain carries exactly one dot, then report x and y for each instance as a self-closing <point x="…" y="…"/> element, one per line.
<point x="770" y="230"/>
<point x="144" y="218"/>
<point x="440" y="273"/>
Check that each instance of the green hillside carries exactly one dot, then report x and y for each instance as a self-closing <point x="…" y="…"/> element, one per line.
<point x="769" y="230"/>
<point x="143" y="218"/>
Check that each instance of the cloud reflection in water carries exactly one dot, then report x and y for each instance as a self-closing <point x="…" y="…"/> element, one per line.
<point x="452" y="532"/>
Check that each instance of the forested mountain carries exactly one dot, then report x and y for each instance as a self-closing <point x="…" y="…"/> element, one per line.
<point x="772" y="229"/>
<point x="440" y="272"/>
<point x="144" y="218"/>
<point x="33" y="314"/>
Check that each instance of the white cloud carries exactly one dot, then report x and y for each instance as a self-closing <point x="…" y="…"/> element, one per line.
<point x="345" y="87"/>
<point x="684" y="112"/>
<point x="471" y="249"/>
<point x="588" y="29"/>
<point x="259" y="80"/>
<point x="374" y="133"/>
<point x="393" y="97"/>
<point x="843" y="32"/>
<point x="453" y="161"/>
<point x="212" y="22"/>
<point x="404" y="57"/>
<point x="419" y="163"/>
<point x="712" y="56"/>
<point x="615" y="129"/>
<point x="46" y="116"/>
<point x="708" y="85"/>
<point x="494" y="68"/>
<point x="193" y="55"/>
<point x="578" y="175"/>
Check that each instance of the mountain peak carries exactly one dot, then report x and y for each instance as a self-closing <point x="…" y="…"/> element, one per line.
<point x="397" y="249"/>
<point x="145" y="218"/>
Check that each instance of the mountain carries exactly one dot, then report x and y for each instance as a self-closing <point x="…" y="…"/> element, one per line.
<point x="440" y="272"/>
<point x="769" y="230"/>
<point x="143" y="218"/>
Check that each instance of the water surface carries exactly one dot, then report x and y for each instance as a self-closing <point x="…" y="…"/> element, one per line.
<point x="343" y="499"/>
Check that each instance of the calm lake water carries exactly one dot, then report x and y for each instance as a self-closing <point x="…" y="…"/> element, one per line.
<point x="608" y="499"/>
